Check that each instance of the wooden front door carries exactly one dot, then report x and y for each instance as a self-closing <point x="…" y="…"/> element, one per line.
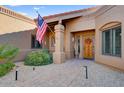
<point x="88" y="48"/>
<point x="88" y="45"/>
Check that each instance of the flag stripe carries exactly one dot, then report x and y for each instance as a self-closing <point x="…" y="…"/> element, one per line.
<point x="40" y="31"/>
<point x="41" y="34"/>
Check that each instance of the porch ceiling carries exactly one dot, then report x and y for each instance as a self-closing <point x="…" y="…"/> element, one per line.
<point x="52" y="24"/>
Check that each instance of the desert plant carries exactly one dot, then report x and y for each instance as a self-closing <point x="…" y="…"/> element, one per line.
<point x="7" y="53"/>
<point x="45" y="50"/>
<point x="37" y="58"/>
<point x="5" y="68"/>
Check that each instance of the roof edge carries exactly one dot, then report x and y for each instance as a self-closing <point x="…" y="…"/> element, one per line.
<point x="12" y="13"/>
<point x="70" y="12"/>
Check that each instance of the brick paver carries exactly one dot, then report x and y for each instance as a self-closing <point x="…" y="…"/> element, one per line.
<point x="71" y="73"/>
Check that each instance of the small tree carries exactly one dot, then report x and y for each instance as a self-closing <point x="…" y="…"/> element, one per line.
<point x="7" y="53"/>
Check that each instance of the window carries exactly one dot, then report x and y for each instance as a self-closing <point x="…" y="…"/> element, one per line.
<point x="111" y="41"/>
<point x="35" y="43"/>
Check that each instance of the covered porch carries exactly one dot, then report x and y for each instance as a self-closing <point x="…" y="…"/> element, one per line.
<point x="76" y="44"/>
<point x="71" y="35"/>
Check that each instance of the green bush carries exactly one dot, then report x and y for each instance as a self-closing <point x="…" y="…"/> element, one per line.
<point x="38" y="58"/>
<point x="7" y="53"/>
<point x="45" y="50"/>
<point x="5" y="68"/>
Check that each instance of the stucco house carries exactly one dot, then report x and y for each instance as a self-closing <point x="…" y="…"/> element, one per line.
<point x="94" y="34"/>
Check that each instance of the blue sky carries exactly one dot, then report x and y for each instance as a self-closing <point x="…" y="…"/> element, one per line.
<point x="44" y="10"/>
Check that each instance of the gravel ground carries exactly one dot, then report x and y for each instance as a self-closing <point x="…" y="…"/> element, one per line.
<point x="68" y="74"/>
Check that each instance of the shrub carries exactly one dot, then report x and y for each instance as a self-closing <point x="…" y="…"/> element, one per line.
<point x="38" y="58"/>
<point x="5" y="68"/>
<point x="7" y="53"/>
<point x="45" y="50"/>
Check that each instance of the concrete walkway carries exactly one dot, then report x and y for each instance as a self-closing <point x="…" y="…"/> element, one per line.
<point x="71" y="73"/>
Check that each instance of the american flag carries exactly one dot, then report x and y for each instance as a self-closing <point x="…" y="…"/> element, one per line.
<point x="42" y="26"/>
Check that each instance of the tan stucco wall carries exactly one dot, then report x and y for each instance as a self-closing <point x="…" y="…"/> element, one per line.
<point x="113" y="14"/>
<point x="21" y="40"/>
<point x="80" y="24"/>
<point x="16" y="32"/>
<point x="10" y="24"/>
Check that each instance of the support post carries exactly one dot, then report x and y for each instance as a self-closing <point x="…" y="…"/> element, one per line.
<point x="59" y="55"/>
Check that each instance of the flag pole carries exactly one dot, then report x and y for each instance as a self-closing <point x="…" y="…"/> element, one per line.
<point x="51" y="31"/>
<point x="48" y="26"/>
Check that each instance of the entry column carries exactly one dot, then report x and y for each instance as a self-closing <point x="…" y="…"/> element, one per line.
<point x="59" y="55"/>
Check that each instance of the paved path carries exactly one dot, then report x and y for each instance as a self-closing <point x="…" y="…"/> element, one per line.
<point x="69" y="74"/>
